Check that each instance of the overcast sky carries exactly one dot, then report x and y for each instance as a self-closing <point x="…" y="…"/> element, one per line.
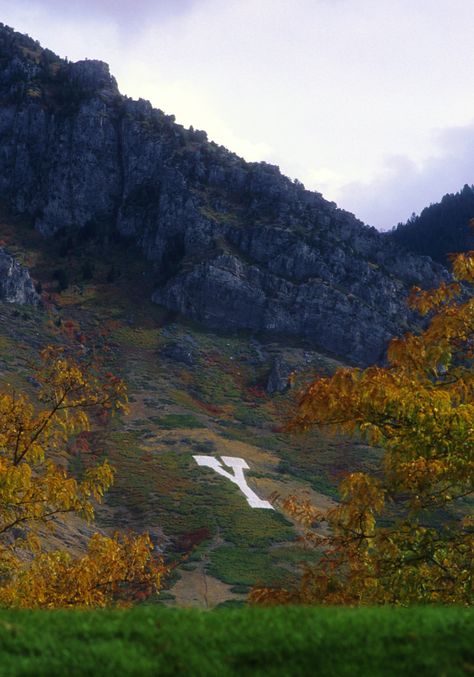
<point x="368" y="101"/>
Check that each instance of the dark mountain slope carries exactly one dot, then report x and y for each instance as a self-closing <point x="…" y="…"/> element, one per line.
<point x="441" y="228"/>
<point x="233" y="245"/>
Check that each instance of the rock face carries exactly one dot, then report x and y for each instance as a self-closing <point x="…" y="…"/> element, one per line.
<point x="279" y="377"/>
<point x="234" y="245"/>
<point x="179" y="353"/>
<point x="16" y="285"/>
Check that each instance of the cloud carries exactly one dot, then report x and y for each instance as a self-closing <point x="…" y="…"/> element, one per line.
<point x="404" y="186"/>
<point x="127" y="16"/>
<point x="345" y="95"/>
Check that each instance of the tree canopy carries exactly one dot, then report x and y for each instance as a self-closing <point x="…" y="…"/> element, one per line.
<point x="441" y="228"/>
<point x="36" y="489"/>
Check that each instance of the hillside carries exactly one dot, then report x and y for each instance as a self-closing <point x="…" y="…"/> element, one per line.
<point x="192" y="391"/>
<point x="440" y="229"/>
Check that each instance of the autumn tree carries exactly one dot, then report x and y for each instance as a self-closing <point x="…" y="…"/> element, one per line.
<point x="36" y="489"/>
<point x="404" y="534"/>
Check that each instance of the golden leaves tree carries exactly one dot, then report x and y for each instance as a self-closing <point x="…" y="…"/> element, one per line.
<point x="36" y="489"/>
<point x="403" y="535"/>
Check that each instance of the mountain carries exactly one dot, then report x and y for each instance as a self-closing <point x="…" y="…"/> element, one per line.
<point x="230" y="244"/>
<point x="214" y="279"/>
<point x="441" y="229"/>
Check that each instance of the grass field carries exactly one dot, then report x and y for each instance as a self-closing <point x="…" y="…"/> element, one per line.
<point x="247" y="641"/>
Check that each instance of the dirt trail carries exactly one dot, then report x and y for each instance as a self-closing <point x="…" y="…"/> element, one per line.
<point x="198" y="589"/>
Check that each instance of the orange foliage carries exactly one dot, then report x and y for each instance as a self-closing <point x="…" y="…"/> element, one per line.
<point x="405" y="535"/>
<point x="117" y="570"/>
<point x="35" y="490"/>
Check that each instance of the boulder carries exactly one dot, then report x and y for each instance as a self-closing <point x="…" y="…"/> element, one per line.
<point x="279" y="377"/>
<point x="179" y="352"/>
<point x="16" y="285"/>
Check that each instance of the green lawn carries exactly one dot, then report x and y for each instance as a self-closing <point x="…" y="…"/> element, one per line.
<point x="249" y="641"/>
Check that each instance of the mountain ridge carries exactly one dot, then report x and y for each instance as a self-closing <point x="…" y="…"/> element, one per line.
<point x="231" y="244"/>
<point x="440" y="229"/>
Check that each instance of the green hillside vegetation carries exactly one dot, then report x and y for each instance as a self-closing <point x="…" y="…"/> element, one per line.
<point x="278" y="641"/>
<point x="214" y="405"/>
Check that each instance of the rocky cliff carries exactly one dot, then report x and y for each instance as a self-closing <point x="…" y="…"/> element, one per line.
<point x="233" y="245"/>
<point x="16" y="285"/>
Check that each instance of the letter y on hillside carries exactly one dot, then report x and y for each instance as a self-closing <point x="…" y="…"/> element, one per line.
<point x="237" y="477"/>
